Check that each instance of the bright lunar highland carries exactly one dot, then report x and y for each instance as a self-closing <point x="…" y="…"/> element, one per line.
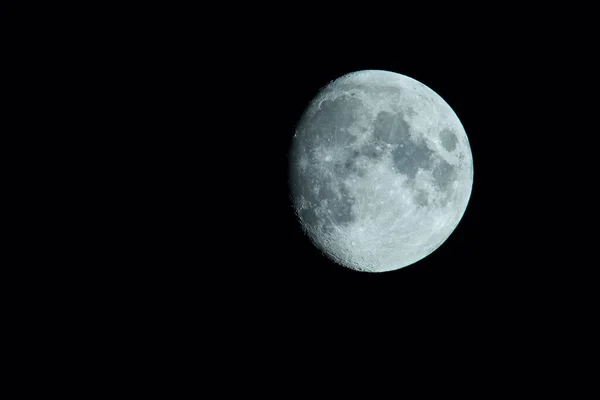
<point x="381" y="171"/>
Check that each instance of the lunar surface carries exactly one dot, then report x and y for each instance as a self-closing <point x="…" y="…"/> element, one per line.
<point x="381" y="171"/>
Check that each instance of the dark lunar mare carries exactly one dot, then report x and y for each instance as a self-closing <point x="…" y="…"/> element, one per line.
<point x="408" y="155"/>
<point x="449" y="139"/>
<point x="326" y="129"/>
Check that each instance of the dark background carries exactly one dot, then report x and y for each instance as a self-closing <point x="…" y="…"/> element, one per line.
<point x="276" y="74"/>
<point x="506" y="281"/>
<point x="169" y="131"/>
<point x="226" y="93"/>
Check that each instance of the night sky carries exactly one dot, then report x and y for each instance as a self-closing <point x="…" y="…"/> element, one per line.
<point x="156" y="240"/>
<point x="258" y="75"/>
<point x="219" y="95"/>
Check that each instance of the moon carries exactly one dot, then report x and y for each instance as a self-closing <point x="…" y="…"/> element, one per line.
<point x="380" y="171"/>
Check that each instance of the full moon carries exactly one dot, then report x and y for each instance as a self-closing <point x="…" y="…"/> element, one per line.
<point x="380" y="171"/>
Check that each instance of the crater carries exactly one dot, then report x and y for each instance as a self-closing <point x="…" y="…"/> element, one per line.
<point x="308" y="216"/>
<point x="448" y="139"/>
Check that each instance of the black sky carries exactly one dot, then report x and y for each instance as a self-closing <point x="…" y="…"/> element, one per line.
<point x="211" y="100"/>
<point x="239" y="88"/>
<point x="160" y="134"/>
